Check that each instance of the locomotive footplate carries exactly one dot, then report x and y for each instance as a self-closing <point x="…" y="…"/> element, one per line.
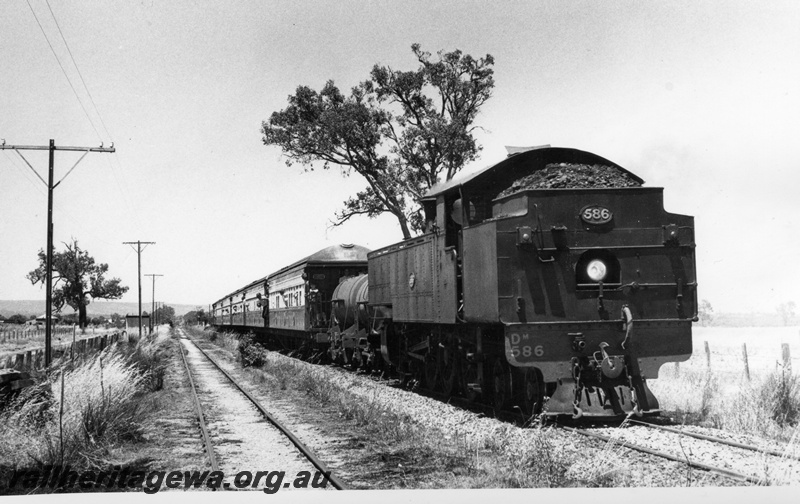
<point x="599" y="368"/>
<point x="601" y="401"/>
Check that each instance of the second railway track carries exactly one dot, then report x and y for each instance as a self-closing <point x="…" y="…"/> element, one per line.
<point x="238" y="432"/>
<point x="734" y="460"/>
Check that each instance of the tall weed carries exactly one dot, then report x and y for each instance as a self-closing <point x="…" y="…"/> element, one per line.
<point x="77" y="413"/>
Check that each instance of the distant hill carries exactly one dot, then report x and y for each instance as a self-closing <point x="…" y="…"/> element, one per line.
<point x="96" y="309"/>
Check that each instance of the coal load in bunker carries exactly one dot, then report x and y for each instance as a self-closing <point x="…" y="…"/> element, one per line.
<point x="552" y="282"/>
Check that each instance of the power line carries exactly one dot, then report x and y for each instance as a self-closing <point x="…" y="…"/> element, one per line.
<point x="64" y="71"/>
<point x="75" y="64"/>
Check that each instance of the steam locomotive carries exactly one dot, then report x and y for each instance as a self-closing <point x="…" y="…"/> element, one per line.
<point x="552" y="298"/>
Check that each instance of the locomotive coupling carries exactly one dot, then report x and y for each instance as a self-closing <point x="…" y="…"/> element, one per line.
<point x="611" y="365"/>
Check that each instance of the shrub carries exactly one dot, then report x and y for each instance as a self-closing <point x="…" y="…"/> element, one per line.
<point x="251" y="353"/>
<point x="779" y="395"/>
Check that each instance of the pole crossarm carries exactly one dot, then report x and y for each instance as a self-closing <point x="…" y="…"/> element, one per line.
<point x="56" y="147"/>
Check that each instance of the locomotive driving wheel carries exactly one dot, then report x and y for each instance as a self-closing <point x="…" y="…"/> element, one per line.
<point x="446" y="371"/>
<point x="469" y="376"/>
<point x="430" y="369"/>
<point x="501" y="384"/>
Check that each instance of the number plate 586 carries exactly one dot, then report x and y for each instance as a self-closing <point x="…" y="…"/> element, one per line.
<point x="596" y="214"/>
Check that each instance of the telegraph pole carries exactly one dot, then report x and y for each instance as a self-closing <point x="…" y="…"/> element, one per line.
<point x="153" y="313"/>
<point x="52" y="148"/>
<point x="138" y="249"/>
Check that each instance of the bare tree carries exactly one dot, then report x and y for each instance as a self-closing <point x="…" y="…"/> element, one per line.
<point x="786" y="311"/>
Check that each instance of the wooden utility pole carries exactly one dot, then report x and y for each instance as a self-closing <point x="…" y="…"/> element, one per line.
<point x="138" y="249"/>
<point x="52" y="148"/>
<point x="153" y="313"/>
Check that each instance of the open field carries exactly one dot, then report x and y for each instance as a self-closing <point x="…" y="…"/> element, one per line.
<point x="725" y="345"/>
<point x="713" y="389"/>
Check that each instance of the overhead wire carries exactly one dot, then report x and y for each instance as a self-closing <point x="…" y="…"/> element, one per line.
<point x="120" y="185"/>
<point x="75" y="64"/>
<point x="74" y="91"/>
<point x="110" y="162"/>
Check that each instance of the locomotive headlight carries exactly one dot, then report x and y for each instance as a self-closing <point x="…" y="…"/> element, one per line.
<point x="596" y="270"/>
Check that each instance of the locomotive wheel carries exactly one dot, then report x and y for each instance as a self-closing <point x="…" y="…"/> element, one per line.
<point x="446" y="372"/>
<point x="532" y="392"/>
<point x="501" y="385"/>
<point x="431" y="367"/>
<point x="468" y="374"/>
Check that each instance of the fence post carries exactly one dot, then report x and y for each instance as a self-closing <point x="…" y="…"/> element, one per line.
<point x="744" y="357"/>
<point x="708" y="356"/>
<point x="787" y="357"/>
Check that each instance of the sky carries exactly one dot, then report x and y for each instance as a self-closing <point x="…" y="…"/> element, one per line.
<point x="698" y="97"/>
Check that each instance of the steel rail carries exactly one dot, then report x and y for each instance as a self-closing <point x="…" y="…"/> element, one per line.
<point x="310" y="455"/>
<point x="713" y="439"/>
<point x="625" y="444"/>
<point x="199" y="409"/>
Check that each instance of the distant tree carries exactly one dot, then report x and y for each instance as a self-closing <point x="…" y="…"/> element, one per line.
<point x="197" y="316"/>
<point x="76" y="278"/>
<point x="17" y="319"/>
<point x="705" y="313"/>
<point x="117" y="320"/>
<point x="164" y="315"/>
<point x="787" y="312"/>
<point x="70" y="319"/>
<point x="400" y="130"/>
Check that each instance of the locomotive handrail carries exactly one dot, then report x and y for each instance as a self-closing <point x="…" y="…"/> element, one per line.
<point x="639" y="285"/>
<point x="620" y="247"/>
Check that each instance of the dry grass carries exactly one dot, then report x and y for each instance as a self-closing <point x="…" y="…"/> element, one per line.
<point x="767" y="406"/>
<point x="81" y="411"/>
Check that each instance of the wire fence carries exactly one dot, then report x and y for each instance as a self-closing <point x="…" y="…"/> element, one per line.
<point x="33" y="359"/>
<point x="10" y="335"/>
<point x="735" y="354"/>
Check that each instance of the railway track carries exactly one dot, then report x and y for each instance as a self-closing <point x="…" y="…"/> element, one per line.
<point x="738" y="455"/>
<point x="740" y="462"/>
<point x="207" y="378"/>
<point x="737" y="461"/>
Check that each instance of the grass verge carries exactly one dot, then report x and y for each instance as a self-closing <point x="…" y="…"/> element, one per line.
<point x="79" y="413"/>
